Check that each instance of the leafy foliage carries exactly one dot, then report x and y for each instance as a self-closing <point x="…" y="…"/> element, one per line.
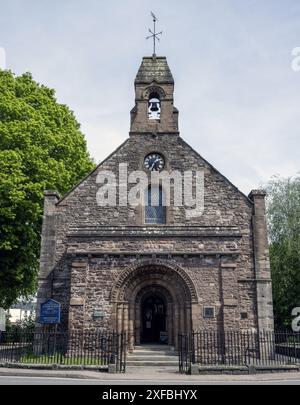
<point x="41" y="147"/>
<point x="284" y="230"/>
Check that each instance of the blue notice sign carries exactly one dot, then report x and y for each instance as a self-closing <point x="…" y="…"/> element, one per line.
<point x="50" y="312"/>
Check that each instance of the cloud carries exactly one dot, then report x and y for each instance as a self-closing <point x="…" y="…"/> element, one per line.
<point x="237" y="94"/>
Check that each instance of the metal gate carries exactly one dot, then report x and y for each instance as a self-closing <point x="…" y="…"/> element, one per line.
<point x="185" y="353"/>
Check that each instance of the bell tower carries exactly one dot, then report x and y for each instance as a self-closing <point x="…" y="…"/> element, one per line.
<point x="154" y="111"/>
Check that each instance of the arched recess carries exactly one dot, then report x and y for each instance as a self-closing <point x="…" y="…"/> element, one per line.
<point x="157" y="276"/>
<point x="154" y="89"/>
<point x="154" y="95"/>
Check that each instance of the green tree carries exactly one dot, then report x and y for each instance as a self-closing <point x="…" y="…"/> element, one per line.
<point x="41" y="147"/>
<point x="284" y="231"/>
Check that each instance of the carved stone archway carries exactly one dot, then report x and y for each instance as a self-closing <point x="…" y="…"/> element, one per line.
<point x="170" y="281"/>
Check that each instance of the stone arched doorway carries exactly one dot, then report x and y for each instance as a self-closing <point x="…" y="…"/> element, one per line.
<point x="172" y="289"/>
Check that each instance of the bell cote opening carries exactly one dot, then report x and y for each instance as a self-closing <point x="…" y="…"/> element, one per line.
<point x="154" y="107"/>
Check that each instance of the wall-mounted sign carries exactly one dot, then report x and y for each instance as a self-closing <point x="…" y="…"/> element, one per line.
<point x="50" y="312"/>
<point x="164" y="337"/>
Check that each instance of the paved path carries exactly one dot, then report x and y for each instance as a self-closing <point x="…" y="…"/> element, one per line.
<point x="138" y="376"/>
<point x="76" y="381"/>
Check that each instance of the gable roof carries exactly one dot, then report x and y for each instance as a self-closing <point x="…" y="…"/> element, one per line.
<point x="217" y="171"/>
<point x="184" y="143"/>
<point x="92" y="172"/>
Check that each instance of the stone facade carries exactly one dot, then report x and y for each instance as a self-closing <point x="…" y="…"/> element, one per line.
<point x="102" y="263"/>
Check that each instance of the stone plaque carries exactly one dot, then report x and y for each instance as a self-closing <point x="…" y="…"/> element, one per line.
<point x="77" y="301"/>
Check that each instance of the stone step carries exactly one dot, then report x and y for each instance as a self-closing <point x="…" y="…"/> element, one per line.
<point x="152" y="353"/>
<point x="138" y="357"/>
<point x="148" y="363"/>
<point x="154" y="348"/>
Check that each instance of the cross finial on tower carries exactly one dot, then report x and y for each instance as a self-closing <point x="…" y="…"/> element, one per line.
<point x="154" y="34"/>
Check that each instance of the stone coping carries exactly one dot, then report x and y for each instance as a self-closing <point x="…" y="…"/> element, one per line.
<point x="169" y="254"/>
<point x="154" y="231"/>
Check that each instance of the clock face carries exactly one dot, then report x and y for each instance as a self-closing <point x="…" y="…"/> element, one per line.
<point x="154" y="162"/>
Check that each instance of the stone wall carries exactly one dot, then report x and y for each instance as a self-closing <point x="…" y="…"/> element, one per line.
<point x="94" y="244"/>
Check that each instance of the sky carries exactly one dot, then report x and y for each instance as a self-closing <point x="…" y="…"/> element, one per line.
<point x="236" y="91"/>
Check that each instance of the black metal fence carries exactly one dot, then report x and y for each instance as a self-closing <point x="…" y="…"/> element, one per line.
<point x="238" y="349"/>
<point x="80" y="348"/>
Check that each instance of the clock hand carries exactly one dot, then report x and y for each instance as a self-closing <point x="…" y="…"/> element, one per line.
<point x="154" y="163"/>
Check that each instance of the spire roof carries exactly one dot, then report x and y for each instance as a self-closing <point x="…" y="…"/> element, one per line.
<point x="154" y="68"/>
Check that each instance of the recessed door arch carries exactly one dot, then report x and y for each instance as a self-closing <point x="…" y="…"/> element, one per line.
<point x="131" y="287"/>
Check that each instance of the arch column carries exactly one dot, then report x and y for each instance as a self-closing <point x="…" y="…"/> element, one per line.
<point x="131" y="328"/>
<point x="125" y="317"/>
<point x="119" y="317"/>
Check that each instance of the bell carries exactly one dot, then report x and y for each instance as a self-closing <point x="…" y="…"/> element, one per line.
<point x="154" y="106"/>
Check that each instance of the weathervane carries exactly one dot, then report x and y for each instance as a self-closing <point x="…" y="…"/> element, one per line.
<point x="154" y="34"/>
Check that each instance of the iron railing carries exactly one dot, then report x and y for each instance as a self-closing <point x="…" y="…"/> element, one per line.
<point x="80" y="348"/>
<point x="232" y="348"/>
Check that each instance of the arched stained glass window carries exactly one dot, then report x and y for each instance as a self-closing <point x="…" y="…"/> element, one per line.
<point x="155" y="211"/>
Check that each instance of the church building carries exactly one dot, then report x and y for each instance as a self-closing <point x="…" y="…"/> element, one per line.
<point x="145" y="261"/>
